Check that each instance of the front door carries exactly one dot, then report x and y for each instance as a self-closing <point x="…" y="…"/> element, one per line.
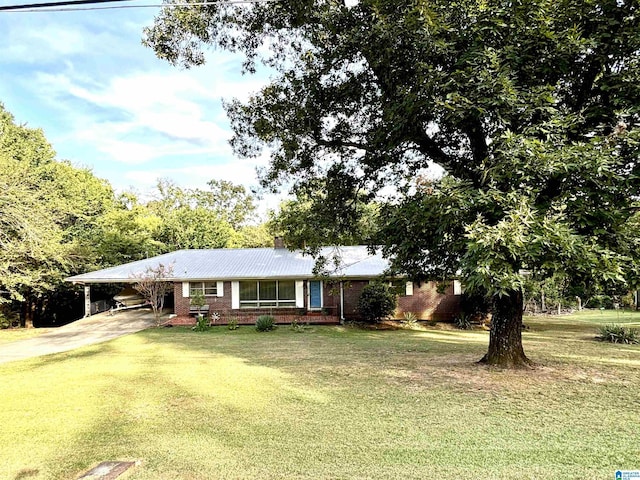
<point x="315" y="294"/>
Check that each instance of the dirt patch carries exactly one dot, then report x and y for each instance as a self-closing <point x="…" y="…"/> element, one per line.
<point x="107" y="471"/>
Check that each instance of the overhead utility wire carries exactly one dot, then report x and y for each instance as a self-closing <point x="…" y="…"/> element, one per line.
<point x="56" y="4"/>
<point x="46" y="7"/>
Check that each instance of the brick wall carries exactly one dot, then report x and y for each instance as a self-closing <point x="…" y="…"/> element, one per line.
<point x="428" y="304"/>
<point x="425" y="302"/>
<point x="248" y="316"/>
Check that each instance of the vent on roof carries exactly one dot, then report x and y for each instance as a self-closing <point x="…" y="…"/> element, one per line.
<point x="278" y="242"/>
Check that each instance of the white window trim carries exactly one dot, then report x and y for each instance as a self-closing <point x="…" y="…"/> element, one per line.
<point x="235" y="295"/>
<point x="409" y="289"/>
<point x="299" y="294"/>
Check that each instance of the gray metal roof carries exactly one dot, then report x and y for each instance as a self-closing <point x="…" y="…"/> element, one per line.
<point x="251" y="263"/>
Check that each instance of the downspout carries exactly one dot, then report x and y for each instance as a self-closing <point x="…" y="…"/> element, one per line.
<point x="341" y="302"/>
<point x="87" y="300"/>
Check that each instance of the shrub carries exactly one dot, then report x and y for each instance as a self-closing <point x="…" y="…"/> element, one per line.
<point x="377" y="301"/>
<point x="462" y="321"/>
<point x="197" y="299"/>
<point x="298" y="327"/>
<point x="618" y="334"/>
<point x="201" y="324"/>
<point x="600" y="301"/>
<point x="232" y="324"/>
<point x="265" y="323"/>
<point x="409" y="319"/>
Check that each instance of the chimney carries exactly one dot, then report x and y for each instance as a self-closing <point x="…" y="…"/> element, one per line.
<point x="278" y="242"/>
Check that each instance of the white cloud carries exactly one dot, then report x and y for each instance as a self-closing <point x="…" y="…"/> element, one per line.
<point x="155" y="115"/>
<point x="106" y="102"/>
<point x="238" y="171"/>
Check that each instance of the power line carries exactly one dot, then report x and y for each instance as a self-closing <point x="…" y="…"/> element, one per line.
<point x="56" y="4"/>
<point x="47" y="7"/>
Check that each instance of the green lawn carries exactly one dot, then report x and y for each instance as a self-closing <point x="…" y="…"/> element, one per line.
<point x="13" y="334"/>
<point x="329" y="403"/>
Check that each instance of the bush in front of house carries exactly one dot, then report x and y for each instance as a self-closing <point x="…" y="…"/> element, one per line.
<point x="462" y="321"/>
<point x="202" y="324"/>
<point x="618" y="334"/>
<point x="377" y="301"/>
<point x="265" y="323"/>
<point x="409" y="319"/>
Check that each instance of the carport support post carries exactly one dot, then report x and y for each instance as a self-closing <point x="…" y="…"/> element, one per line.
<point x="87" y="301"/>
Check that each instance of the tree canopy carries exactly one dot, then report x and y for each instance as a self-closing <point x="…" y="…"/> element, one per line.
<point x="57" y="220"/>
<point x="529" y="107"/>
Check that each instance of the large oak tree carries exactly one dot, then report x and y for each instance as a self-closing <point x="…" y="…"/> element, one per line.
<point x="530" y="107"/>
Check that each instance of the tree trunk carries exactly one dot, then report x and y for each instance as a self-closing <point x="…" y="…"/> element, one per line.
<point x="505" y="340"/>
<point x="27" y="313"/>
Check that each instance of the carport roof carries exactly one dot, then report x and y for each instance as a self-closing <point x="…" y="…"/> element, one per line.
<point x="239" y="264"/>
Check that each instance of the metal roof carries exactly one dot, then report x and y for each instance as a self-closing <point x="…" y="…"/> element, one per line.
<point x="251" y="263"/>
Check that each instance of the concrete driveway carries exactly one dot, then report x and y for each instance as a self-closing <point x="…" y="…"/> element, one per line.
<point x="87" y="331"/>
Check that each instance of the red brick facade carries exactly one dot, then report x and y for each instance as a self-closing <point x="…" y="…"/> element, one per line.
<point x="425" y="302"/>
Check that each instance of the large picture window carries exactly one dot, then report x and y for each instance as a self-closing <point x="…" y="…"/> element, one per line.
<point x="264" y="293"/>
<point x="208" y="289"/>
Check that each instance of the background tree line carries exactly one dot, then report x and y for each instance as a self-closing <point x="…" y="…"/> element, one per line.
<point x="57" y="220"/>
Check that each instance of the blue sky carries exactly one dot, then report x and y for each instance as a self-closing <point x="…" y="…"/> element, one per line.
<point x="106" y="102"/>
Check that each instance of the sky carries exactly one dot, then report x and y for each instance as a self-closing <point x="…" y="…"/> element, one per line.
<point x="104" y="101"/>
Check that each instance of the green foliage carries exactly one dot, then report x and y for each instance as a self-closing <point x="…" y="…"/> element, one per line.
<point x="49" y="212"/>
<point x="530" y="110"/>
<point x="628" y="300"/>
<point x="600" y="301"/>
<point x="5" y="322"/>
<point x="197" y="299"/>
<point x="265" y="323"/>
<point x="202" y="323"/>
<point x="195" y="218"/>
<point x="409" y="319"/>
<point x="462" y="321"/>
<point x="377" y="301"/>
<point x="324" y="214"/>
<point x="298" y="327"/>
<point x="254" y="236"/>
<point x="618" y="334"/>
<point x="232" y="324"/>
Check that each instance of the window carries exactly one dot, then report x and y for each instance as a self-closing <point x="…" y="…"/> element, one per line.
<point x="399" y="287"/>
<point x="208" y="289"/>
<point x="268" y="294"/>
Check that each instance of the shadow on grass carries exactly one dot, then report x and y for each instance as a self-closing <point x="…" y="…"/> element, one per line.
<point x="27" y="473"/>
<point x="185" y="406"/>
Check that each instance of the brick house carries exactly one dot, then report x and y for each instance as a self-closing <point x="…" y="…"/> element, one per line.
<point x="241" y="284"/>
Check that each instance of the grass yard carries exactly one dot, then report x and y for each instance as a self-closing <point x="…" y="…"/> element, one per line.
<point x="329" y="403"/>
<point x="13" y="334"/>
